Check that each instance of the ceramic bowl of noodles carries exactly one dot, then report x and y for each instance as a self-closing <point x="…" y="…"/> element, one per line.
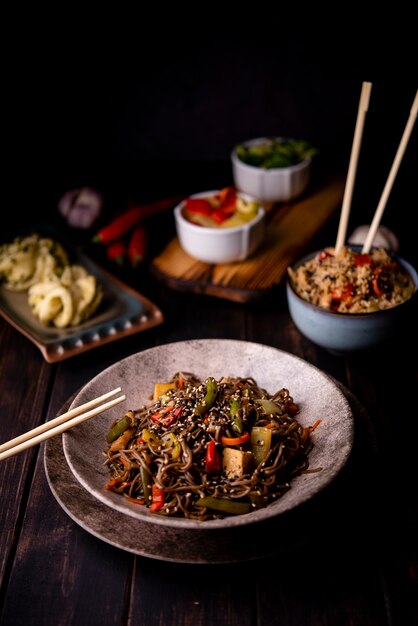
<point x="348" y="301"/>
<point x="215" y="436"/>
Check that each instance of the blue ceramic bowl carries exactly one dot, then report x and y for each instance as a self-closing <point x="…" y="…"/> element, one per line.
<point x="350" y="332"/>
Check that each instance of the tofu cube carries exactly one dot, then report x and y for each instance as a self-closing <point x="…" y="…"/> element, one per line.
<point x="161" y="388"/>
<point x="236" y="463"/>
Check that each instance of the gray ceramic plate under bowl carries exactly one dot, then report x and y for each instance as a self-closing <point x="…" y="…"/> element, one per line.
<point x="316" y="394"/>
<point x="76" y="475"/>
<point x="276" y="537"/>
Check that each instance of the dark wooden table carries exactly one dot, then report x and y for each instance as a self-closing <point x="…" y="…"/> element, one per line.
<point x="350" y="560"/>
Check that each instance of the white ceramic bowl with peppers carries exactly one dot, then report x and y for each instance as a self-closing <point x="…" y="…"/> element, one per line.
<point x="220" y="226"/>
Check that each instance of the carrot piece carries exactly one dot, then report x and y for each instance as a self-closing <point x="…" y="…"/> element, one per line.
<point x="115" y="482"/>
<point x="309" y="430"/>
<point x="156" y="417"/>
<point x="135" y="500"/>
<point x="235" y="441"/>
<point x="315" y="425"/>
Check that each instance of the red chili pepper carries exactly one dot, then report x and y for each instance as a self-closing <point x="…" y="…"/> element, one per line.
<point x="136" y="213"/>
<point x="198" y="205"/>
<point x="116" y="251"/>
<point x="213" y="458"/>
<point x="157" y="498"/>
<point x="138" y="244"/>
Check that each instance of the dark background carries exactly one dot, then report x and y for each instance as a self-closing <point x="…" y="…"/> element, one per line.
<point x="146" y="106"/>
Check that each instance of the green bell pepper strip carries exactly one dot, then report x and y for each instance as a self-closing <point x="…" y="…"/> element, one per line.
<point x="127" y="421"/>
<point x="236" y="419"/>
<point x="225" y="506"/>
<point x="270" y="407"/>
<point x="260" y="443"/>
<point x="146" y="484"/>
<point x="210" y="396"/>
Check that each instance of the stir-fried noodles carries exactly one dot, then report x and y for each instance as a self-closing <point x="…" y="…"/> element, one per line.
<point x="203" y="450"/>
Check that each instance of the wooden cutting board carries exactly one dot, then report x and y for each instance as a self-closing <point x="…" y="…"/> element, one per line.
<point x="290" y="227"/>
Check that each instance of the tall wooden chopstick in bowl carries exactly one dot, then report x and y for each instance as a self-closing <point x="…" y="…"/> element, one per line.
<point x="391" y="177"/>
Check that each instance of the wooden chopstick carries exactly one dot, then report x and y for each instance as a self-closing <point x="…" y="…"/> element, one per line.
<point x="61" y="423"/>
<point x="352" y="168"/>
<point x="392" y="175"/>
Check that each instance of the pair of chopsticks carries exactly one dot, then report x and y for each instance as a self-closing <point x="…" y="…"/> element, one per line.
<point x="348" y="192"/>
<point x="61" y="423"/>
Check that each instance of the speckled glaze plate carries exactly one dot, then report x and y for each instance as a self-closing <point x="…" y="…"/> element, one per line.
<point x="122" y="312"/>
<point x="316" y="393"/>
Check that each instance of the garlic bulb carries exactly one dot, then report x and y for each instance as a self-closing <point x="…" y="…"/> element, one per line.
<point x="384" y="237"/>
<point x="81" y="207"/>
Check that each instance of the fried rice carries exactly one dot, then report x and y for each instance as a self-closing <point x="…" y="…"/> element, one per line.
<point x="352" y="282"/>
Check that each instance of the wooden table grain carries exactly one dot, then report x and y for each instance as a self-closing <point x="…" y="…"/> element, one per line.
<point x="351" y="562"/>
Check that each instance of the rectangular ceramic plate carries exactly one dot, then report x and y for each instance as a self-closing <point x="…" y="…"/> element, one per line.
<point x="122" y="312"/>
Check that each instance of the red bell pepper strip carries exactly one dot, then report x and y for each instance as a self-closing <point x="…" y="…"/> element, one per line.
<point x="222" y="214"/>
<point x="362" y="259"/>
<point x="157" y="498"/>
<point x="345" y="294"/>
<point x="321" y="256"/>
<point x="157" y="416"/>
<point x="198" y="205"/>
<point x="166" y="415"/>
<point x="227" y="197"/>
<point x="375" y="284"/>
<point x="167" y="421"/>
<point x="213" y="458"/>
<point x="138" y="244"/>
